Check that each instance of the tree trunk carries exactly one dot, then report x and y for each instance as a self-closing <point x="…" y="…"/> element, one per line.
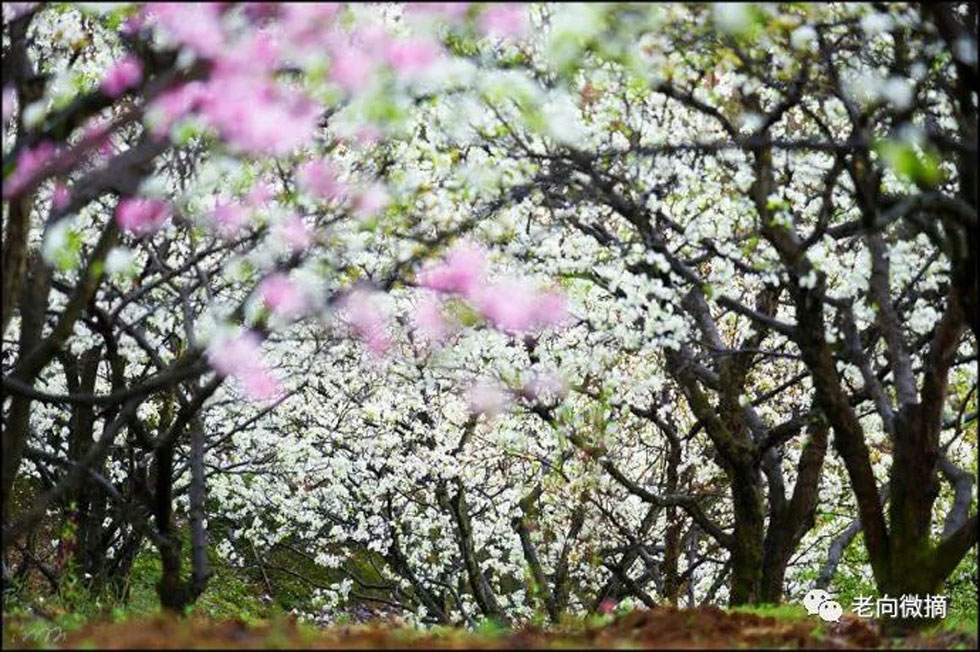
<point x="746" y="582"/>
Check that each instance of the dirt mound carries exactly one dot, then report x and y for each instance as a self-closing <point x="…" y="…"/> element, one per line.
<point x="712" y="627"/>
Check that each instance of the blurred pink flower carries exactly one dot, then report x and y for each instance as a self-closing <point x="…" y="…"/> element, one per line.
<point x="304" y="23"/>
<point x="516" y="307"/>
<point x="123" y="75"/>
<point x="96" y="134"/>
<point x="429" y="321"/>
<point x="351" y="68"/>
<point x="489" y="398"/>
<point x="257" y="116"/>
<point x="365" y="316"/>
<point x="371" y="201"/>
<point x="448" y="10"/>
<point x="173" y="105"/>
<point x="141" y="215"/>
<point x="551" y="309"/>
<point x="31" y="165"/>
<point x="60" y="196"/>
<point x="607" y="606"/>
<point x="240" y="357"/>
<point x="367" y="135"/>
<point x="283" y="297"/>
<point x="409" y="56"/>
<point x="294" y="232"/>
<point x="9" y="97"/>
<point x="260" y="384"/>
<point x="256" y="53"/>
<point x="463" y="270"/>
<point x="228" y="218"/>
<point x="234" y="354"/>
<point x="319" y="178"/>
<point x="545" y="385"/>
<point x="508" y="20"/>
<point x="196" y="25"/>
<point x="260" y="193"/>
<point x="133" y="23"/>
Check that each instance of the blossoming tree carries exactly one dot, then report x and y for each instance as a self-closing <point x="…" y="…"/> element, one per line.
<point x="523" y="308"/>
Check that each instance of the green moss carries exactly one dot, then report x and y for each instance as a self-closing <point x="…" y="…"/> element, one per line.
<point x="777" y="611"/>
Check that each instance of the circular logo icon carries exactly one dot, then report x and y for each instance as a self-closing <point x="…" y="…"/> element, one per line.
<point x="830" y="611"/>
<point x="814" y="599"/>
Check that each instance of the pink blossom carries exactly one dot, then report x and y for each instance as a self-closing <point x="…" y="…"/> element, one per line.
<point x="508" y="20"/>
<point x="241" y="358"/>
<point x="607" y="606"/>
<point x="141" y="216"/>
<point x="254" y="54"/>
<point x="60" y="196"/>
<point x="96" y="134"/>
<point x="371" y="201"/>
<point x="32" y="163"/>
<point x="283" y="297"/>
<point x="410" y="56"/>
<point x="319" y="178"/>
<point x="367" y="135"/>
<point x="196" y="25"/>
<point x="260" y="193"/>
<point x="133" y="23"/>
<point x="365" y="316"/>
<point x="228" y="218"/>
<point x="174" y="104"/>
<point x="230" y="356"/>
<point x="9" y="97"/>
<point x="545" y="385"/>
<point x="123" y="75"/>
<point x="516" y="307"/>
<point x="429" y="320"/>
<point x="351" y="69"/>
<point x="551" y="309"/>
<point x="258" y="12"/>
<point x="305" y="22"/>
<point x="258" y="116"/>
<point x="294" y="232"/>
<point x="260" y="384"/>
<point x="463" y="270"/>
<point x="489" y="398"/>
<point x="448" y="10"/>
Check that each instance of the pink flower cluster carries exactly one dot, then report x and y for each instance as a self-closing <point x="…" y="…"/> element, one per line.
<point x="485" y="397"/>
<point x="122" y="76"/>
<point x="319" y="178"/>
<point x="294" y="233"/>
<point x="283" y="297"/>
<point x="512" y="306"/>
<point x="32" y="163"/>
<point x="229" y="218"/>
<point x="356" y="58"/>
<point x="9" y="97"/>
<point x="449" y="10"/>
<point x="506" y="20"/>
<point x="241" y="99"/>
<point x="365" y="316"/>
<point x="371" y="200"/>
<point x="241" y="358"/>
<point x="60" y="196"/>
<point x="141" y="216"/>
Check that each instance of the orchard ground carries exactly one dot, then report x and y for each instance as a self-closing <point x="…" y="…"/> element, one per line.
<point x="784" y="627"/>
